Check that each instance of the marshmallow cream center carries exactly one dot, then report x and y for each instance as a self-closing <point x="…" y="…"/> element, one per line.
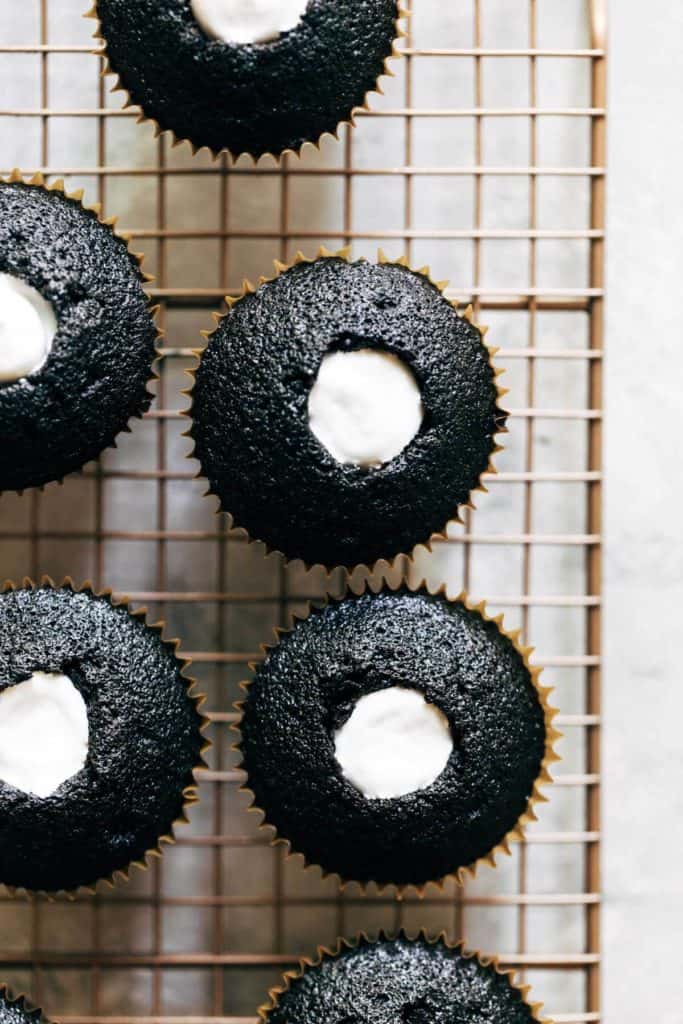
<point x="365" y="406"/>
<point x="247" y="21"/>
<point x="43" y="733"/>
<point x="393" y="743"/>
<point x="27" y="328"/>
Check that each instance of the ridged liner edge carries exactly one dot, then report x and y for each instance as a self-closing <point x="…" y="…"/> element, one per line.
<point x="189" y="793"/>
<point x="325" y="953"/>
<point x="23" y="1003"/>
<point x="515" y="834"/>
<point x="350" y="121"/>
<point x="38" y="180"/>
<point x="345" y="254"/>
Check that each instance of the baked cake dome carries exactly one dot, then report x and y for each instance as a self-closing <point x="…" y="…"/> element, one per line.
<point x="396" y="737"/>
<point x="259" y="77"/>
<point x="100" y="737"/>
<point x="407" y="980"/>
<point x="345" y="411"/>
<point x="77" y="335"/>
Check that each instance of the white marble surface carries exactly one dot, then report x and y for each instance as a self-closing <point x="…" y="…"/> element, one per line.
<point x="643" y="917"/>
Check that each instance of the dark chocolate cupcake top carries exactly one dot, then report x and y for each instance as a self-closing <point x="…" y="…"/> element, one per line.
<point x="399" y="981"/>
<point x="220" y="77"/>
<point x="395" y="737"/>
<point x="344" y="411"/>
<point x="99" y="738"/>
<point x="72" y="292"/>
<point x="16" y="1011"/>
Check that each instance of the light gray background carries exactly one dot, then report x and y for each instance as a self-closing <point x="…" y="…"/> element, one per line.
<point x="643" y="766"/>
<point x="643" y="763"/>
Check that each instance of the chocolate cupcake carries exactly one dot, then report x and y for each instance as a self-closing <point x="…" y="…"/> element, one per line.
<point x="17" y="1011"/>
<point x="396" y="737"/>
<point x="248" y="78"/>
<point x="77" y="336"/>
<point x="407" y="980"/>
<point x="343" y="412"/>
<point x="99" y="737"/>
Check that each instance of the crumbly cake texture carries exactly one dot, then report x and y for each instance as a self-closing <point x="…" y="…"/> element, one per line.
<point x="250" y="413"/>
<point x="255" y="99"/>
<point x="16" y="1011"/>
<point x="307" y="687"/>
<point x="95" y="378"/>
<point x="144" y="739"/>
<point x="400" y="981"/>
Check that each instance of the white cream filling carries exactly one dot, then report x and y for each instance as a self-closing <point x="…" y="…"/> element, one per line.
<point x="247" y="21"/>
<point x="365" y="406"/>
<point x="393" y="743"/>
<point x="27" y="328"/>
<point x="43" y="733"/>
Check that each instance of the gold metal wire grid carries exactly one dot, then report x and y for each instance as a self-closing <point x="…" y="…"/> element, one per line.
<point x="486" y="159"/>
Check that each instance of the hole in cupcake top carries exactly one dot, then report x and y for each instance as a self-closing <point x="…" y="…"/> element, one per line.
<point x="248" y="21"/>
<point x="393" y="743"/>
<point x="365" y="406"/>
<point x="43" y="733"/>
<point x="28" y="326"/>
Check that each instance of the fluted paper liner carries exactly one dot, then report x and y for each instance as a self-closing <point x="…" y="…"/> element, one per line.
<point x="326" y="953"/>
<point x="516" y="834"/>
<point x="23" y="1004"/>
<point x="38" y="180"/>
<point x="350" y="121"/>
<point x="189" y="793"/>
<point x="500" y="414"/>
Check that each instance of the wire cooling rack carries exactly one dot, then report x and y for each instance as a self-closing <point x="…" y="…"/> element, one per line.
<point x="485" y="158"/>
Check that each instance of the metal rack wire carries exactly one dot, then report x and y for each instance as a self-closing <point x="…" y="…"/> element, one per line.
<point x="486" y="158"/>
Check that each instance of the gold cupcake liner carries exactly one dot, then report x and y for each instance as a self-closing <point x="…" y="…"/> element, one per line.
<point x="118" y="86"/>
<point x="38" y="180"/>
<point x="514" y="835"/>
<point x="501" y="414"/>
<point x="326" y="953"/>
<point x="190" y="792"/>
<point x="23" y="1004"/>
